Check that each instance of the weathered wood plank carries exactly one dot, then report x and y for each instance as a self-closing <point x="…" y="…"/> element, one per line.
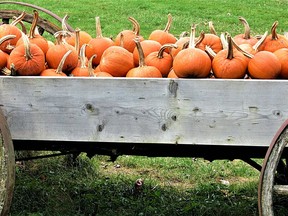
<point x="186" y="111"/>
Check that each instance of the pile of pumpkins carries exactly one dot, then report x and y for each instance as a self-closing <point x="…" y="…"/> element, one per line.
<point x="78" y="54"/>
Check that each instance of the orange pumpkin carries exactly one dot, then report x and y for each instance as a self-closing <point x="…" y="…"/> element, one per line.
<point x="98" y="45"/>
<point x="34" y="38"/>
<point x="55" y="54"/>
<point x="143" y="70"/>
<point x="26" y="59"/>
<point x="274" y="41"/>
<point x="264" y="65"/>
<point x="11" y="29"/>
<point x="82" y="69"/>
<point x="229" y="63"/>
<point x="246" y="37"/>
<point x="58" y="71"/>
<point x="3" y="55"/>
<point x="148" y="46"/>
<point x="161" y="59"/>
<point x="117" y="61"/>
<point x="282" y="55"/>
<point x="192" y="62"/>
<point x="126" y="38"/>
<point x="163" y="36"/>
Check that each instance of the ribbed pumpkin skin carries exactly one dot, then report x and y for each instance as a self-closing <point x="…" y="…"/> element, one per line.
<point x="282" y="55"/>
<point x="180" y="44"/>
<point x="264" y="65"/>
<point x="116" y="61"/>
<point x="162" y="37"/>
<point x="23" y="67"/>
<point x="148" y="47"/>
<point x="211" y="40"/>
<point x="39" y="41"/>
<point x="164" y="64"/>
<point x="225" y="68"/>
<point x="55" y="54"/>
<point x="272" y="45"/>
<point x="98" y="46"/>
<point x="3" y="59"/>
<point x="144" y="72"/>
<point x="193" y="63"/>
<point x="128" y="40"/>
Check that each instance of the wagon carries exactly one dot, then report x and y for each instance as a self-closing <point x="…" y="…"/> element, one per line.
<point x="208" y="118"/>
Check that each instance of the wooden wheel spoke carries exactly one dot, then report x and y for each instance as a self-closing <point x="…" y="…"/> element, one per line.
<point x="280" y="189"/>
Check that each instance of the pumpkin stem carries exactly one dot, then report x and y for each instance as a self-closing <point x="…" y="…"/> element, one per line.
<point x="200" y="38"/>
<point x="23" y="27"/>
<point x="169" y="22"/>
<point x="121" y="39"/>
<point x="98" y="28"/>
<point x="273" y="30"/>
<point x="184" y="34"/>
<point x="211" y="28"/>
<point x="224" y="40"/>
<point x="18" y="19"/>
<point x="230" y="47"/>
<point x="192" y="36"/>
<point x="136" y="26"/>
<point x="260" y="41"/>
<point x="210" y="51"/>
<point x="63" y="23"/>
<point x="77" y="40"/>
<point x="90" y="66"/>
<point x="163" y="48"/>
<point x="246" y="26"/>
<point x="61" y="63"/>
<point x="82" y="56"/>
<point x="249" y="55"/>
<point x="26" y="42"/>
<point x="140" y="52"/>
<point x="6" y="37"/>
<point x="34" y="24"/>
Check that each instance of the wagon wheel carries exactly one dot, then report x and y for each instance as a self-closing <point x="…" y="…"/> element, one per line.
<point x="7" y="167"/>
<point x="43" y="24"/>
<point x="273" y="184"/>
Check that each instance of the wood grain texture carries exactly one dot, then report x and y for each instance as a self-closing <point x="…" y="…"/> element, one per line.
<point x="183" y="111"/>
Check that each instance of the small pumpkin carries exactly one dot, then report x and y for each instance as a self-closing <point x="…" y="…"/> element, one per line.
<point x="161" y="59"/>
<point x="82" y="69"/>
<point x="55" y="54"/>
<point x="246" y="37"/>
<point x="116" y="61"/>
<point x="212" y="40"/>
<point x="143" y="70"/>
<point x="264" y="65"/>
<point x="98" y="45"/>
<point x="35" y="38"/>
<point x="274" y="41"/>
<point x="148" y="46"/>
<point x="192" y="62"/>
<point x="26" y="59"/>
<point x="126" y="38"/>
<point x="163" y="36"/>
<point x="11" y="29"/>
<point x="3" y="55"/>
<point x="229" y="63"/>
<point x="58" y="71"/>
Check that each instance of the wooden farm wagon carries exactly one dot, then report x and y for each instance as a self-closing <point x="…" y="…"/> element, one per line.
<point x="209" y="118"/>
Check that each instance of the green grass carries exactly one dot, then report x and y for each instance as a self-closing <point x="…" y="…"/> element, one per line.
<point x="172" y="186"/>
